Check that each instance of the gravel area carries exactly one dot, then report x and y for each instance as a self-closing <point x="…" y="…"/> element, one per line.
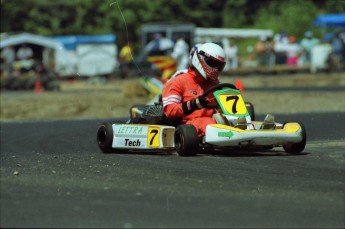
<point x="80" y="99"/>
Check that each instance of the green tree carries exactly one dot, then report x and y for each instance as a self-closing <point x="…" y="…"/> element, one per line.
<point x="293" y="16"/>
<point x="125" y="17"/>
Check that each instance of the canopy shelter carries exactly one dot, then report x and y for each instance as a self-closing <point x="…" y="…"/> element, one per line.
<point x="94" y="55"/>
<point x="22" y="38"/>
<point x="45" y="43"/>
<point x="330" y="20"/>
<point x="72" y="41"/>
<point x="45" y="49"/>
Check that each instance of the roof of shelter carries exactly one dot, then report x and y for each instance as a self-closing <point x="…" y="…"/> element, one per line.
<point x="22" y="38"/>
<point x="330" y="20"/>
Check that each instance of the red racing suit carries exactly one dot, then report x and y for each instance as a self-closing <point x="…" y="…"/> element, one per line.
<point x="186" y="87"/>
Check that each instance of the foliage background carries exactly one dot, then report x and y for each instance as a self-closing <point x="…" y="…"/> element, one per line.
<point x="62" y="17"/>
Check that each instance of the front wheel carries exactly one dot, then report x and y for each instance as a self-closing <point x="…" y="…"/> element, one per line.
<point x="186" y="140"/>
<point x="295" y="148"/>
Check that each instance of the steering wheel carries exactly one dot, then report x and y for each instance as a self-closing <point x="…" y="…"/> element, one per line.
<point x="210" y="103"/>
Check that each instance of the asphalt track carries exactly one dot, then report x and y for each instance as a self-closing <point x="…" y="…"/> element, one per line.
<point x="54" y="176"/>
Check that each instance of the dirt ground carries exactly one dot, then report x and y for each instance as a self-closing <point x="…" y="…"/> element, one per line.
<point x="79" y="99"/>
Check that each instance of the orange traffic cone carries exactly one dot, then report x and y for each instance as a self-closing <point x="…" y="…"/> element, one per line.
<point x="38" y="87"/>
<point x="239" y="85"/>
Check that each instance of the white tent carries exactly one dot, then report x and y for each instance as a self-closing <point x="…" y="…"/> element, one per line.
<point x="17" y="39"/>
<point x="62" y="57"/>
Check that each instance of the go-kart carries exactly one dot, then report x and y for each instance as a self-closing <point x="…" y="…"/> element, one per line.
<point x="148" y="129"/>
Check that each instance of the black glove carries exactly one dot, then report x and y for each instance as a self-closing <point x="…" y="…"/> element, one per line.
<point x="190" y="106"/>
<point x="203" y="101"/>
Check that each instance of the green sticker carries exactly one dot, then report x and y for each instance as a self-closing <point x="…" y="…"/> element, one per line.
<point x="227" y="134"/>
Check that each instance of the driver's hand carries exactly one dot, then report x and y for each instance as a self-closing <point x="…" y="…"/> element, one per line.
<point x="202" y="101"/>
<point x="189" y="107"/>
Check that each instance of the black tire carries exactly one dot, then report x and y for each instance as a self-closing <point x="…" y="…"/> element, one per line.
<point x="186" y="140"/>
<point x="251" y="110"/>
<point x="295" y="148"/>
<point x="105" y="136"/>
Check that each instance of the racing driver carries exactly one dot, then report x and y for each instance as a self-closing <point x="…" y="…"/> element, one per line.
<point x="182" y="94"/>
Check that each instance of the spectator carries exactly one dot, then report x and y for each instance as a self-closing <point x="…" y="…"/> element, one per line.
<point x="191" y="53"/>
<point x="24" y="52"/>
<point x="337" y="47"/>
<point x="25" y="55"/>
<point x="337" y="55"/>
<point x="231" y="54"/>
<point x="307" y="43"/>
<point x="181" y="53"/>
<point x="265" y="52"/>
<point x="9" y="56"/>
<point x="270" y="55"/>
<point x="280" y="45"/>
<point x="159" y="46"/>
<point x="125" y="59"/>
<point x="293" y="52"/>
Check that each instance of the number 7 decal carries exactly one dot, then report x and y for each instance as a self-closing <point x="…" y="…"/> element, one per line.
<point x="233" y="97"/>
<point x="153" y="137"/>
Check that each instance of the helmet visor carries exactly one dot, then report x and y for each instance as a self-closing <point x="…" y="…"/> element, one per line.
<point x="212" y="62"/>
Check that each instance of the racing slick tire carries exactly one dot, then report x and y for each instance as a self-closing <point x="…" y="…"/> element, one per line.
<point x="186" y="140"/>
<point x="295" y="148"/>
<point x="105" y="136"/>
<point x="251" y="111"/>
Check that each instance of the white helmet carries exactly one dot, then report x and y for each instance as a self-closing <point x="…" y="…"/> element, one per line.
<point x="191" y="53"/>
<point x="209" y="60"/>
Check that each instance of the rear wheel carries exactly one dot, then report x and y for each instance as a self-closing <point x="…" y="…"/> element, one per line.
<point x="295" y="148"/>
<point x="186" y="140"/>
<point x="105" y="136"/>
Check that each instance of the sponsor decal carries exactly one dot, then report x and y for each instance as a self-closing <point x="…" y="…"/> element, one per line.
<point x="132" y="143"/>
<point x="227" y="134"/>
<point x="130" y="130"/>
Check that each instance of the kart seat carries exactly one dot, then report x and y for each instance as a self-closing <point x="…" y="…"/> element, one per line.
<point x="151" y="114"/>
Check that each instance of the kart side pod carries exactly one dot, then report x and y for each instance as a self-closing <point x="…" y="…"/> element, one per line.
<point x="223" y="135"/>
<point x="139" y="136"/>
<point x="114" y="138"/>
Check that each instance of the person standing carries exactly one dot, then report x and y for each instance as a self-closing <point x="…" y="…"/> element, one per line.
<point x="9" y="56"/>
<point x="307" y="43"/>
<point x="24" y="52"/>
<point x="265" y="52"/>
<point x="24" y="56"/>
<point x="125" y="59"/>
<point x="337" y="53"/>
<point x="180" y="53"/>
<point x="231" y="54"/>
<point x="293" y="52"/>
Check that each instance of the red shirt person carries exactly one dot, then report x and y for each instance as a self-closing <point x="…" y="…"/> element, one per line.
<point x="181" y="95"/>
